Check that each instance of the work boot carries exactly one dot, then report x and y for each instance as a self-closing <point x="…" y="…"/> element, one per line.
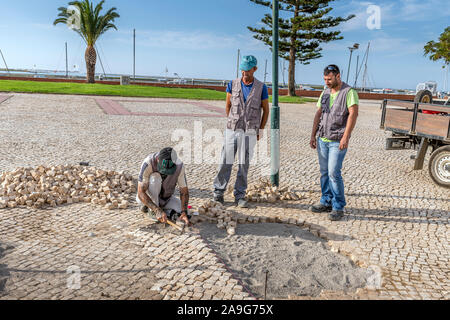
<point x="336" y="215"/>
<point x="242" y="203"/>
<point x="318" y="208"/>
<point x="219" y="198"/>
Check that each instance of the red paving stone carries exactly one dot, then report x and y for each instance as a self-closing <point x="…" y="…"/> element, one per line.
<point x="210" y="108"/>
<point x="113" y="107"/>
<point x="3" y="98"/>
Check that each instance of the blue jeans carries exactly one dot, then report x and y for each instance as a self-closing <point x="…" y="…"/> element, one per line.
<point x="331" y="182"/>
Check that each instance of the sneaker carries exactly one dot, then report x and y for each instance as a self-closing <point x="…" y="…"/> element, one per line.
<point x="336" y="215"/>
<point x="242" y="203"/>
<point x="318" y="208"/>
<point x="152" y="216"/>
<point x="149" y="213"/>
<point x="219" y="199"/>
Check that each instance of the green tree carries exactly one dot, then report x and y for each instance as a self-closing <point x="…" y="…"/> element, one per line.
<point x="90" y="25"/>
<point x="439" y="50"/>
<point x="302" y="33"/>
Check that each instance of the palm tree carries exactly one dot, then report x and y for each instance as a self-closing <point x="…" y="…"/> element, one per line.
<point x="90" y="26"/>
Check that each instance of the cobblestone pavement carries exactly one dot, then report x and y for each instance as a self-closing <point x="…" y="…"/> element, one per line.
<point x="397" y="219"/>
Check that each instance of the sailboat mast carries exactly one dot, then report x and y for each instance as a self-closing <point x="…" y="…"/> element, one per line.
<point x="4" y="60"/>
<point x="365" y="68"/>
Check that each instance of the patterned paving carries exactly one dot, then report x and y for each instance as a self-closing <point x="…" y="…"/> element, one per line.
<point x="115" y="107"/>
<point x="3" y="98"/>
<point x="397" y="219"/>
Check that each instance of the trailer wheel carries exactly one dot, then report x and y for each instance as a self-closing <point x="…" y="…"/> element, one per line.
<point x="423" y="96"/>
<point x="439" y="166"/>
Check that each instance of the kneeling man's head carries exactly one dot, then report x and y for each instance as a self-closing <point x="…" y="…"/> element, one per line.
<point x="167" y="160"/>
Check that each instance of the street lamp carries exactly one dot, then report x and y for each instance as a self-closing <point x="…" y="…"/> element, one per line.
<point x="355" y="47"/>
<point x="275" y="111"/>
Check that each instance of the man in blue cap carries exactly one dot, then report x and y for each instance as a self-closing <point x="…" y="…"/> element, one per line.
<point x="247" y="108"/>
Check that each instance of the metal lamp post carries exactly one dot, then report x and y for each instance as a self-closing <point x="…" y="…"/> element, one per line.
<point x="134" y="54"/>
<point x="355" y="47"/>
<point x="275" y="110"/>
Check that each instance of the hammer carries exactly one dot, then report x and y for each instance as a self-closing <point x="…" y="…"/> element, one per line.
<point x="176" y="226"/>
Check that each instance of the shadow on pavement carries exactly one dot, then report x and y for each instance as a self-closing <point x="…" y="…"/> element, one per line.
<point x="4" y="272"/>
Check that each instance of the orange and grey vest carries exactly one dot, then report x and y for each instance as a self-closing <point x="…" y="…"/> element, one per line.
<point x="169" y="184"/>
<point x="334" y="120"/>
<point x="246" y="115"/>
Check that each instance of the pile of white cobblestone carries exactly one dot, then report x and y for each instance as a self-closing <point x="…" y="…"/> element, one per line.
<point x="263" y="191"/>
<point x="65" y="184"/>
<point x="219" y="213"/>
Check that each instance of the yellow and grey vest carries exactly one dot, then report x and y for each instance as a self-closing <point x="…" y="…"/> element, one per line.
<point x="334" y="120"/>
<point x="169" y="184"/>
<point x="246" y="115"/>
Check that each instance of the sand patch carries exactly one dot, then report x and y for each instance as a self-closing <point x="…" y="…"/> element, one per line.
<point x="298" y="263"/>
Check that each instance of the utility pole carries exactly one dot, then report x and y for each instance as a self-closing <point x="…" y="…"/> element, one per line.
<point x="134" y="54"/>
<point x="445" y="88"/>
<point x="275" y="110"/>
<point x="365" y="68"/>
<point x="265" y="72"/>
<point x="67" y="64"/>
<point x="356" y="72"/>
<point x="4" y="61"/>
<point x="238" y="61"/>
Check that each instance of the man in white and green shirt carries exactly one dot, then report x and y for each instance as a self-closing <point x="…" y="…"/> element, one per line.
<point x="352" y="99"/>
<point x="333" y="124"/>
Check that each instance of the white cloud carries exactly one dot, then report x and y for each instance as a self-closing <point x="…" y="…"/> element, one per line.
<point x="395" y="46"/>
<point x="194" y="40"/>
<point x="359" y="9"/>
<point x="390" y="46"/>
<point x="393" y="13"/>
<point x="413" y="10"/>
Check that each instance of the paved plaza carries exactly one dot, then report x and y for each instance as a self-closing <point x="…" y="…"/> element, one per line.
<point x="396" y="218"/>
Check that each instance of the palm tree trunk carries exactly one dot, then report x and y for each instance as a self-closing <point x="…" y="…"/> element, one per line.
<point x="91" y="59"/>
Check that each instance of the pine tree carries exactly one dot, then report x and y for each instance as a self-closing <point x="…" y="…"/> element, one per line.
<point x="301" y="35"/>
<point x="439" y="50"/>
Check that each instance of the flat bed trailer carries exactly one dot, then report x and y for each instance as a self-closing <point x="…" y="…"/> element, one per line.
<point x="418" y="126"/>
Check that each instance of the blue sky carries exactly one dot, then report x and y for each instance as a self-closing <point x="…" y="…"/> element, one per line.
<point x="200" y="39"/>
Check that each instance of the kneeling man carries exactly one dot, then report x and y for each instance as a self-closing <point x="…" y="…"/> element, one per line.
<point x="160" y="173"/>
